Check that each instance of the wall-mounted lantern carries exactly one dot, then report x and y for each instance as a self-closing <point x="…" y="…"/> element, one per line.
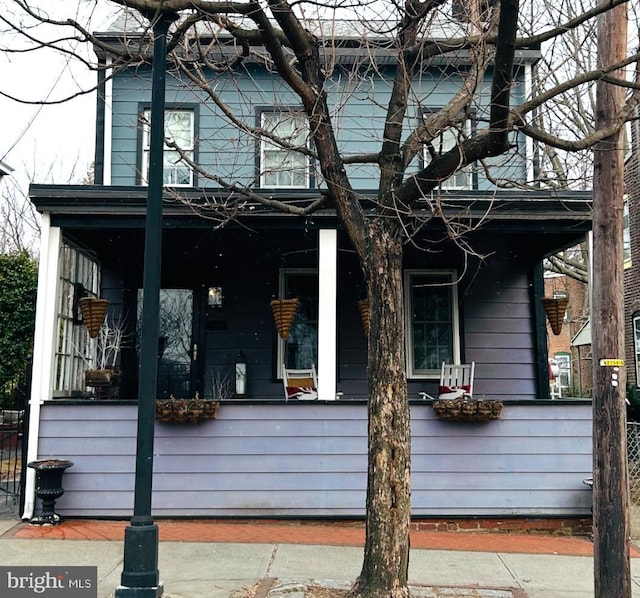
<point x="241" y="375"/>
<point x="214" y="297"/>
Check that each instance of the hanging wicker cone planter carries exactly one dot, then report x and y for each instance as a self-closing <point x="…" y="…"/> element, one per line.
<point x="284" y="311"/>
<point x="93" y="310"/>
<point x="555" y="308"/>
<point x="365" y="314"/>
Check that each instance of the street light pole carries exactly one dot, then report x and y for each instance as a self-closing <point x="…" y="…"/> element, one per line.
<point x="140" y="575"/>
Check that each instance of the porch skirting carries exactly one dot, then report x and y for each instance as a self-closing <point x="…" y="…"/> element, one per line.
<point x="310" y="460"/>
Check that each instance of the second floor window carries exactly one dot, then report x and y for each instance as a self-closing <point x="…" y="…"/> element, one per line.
<point x="281" y="166"/>
<point x="444" y="142"/>
<point x="179" y="129"/>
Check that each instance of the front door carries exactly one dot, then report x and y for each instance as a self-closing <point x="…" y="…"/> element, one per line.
<point x="177" y="351"/>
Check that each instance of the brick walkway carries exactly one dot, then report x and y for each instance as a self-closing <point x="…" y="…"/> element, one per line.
<point x="339" y="534"/>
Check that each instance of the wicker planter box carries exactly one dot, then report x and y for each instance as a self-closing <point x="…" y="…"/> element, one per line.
<point x="185" y="411"/>
<point x="467" y="411"/>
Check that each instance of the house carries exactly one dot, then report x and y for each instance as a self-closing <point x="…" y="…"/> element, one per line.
<point x="264" y="455"/>
<point x="571" y="362"/>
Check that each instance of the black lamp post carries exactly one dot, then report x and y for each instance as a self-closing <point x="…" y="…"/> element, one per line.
<point x="140" y="576"/>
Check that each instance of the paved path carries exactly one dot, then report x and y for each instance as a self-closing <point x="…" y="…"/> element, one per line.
<point x="216" y="559"/>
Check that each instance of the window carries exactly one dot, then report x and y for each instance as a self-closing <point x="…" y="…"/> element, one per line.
<point x="636" y="344"/>
<point x="300" y="350"/>
<point x="432" y="321"/>
<point x="626" y="235"/>
<point x="75" y="350"/>
<point x="283" y="167"/>
<point x="461" y="10"/>
<point x="563" y="359"/>
<point x="179" y="128"/>
<point x="446" y="141"/>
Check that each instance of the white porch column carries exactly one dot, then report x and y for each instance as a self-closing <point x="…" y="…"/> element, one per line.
<point x="43" y="346"/>
<point x="327" y="313"/>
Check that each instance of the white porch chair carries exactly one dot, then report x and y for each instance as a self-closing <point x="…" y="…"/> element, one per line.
<point x="301" y="384"/>
<point x="456" y="381"/>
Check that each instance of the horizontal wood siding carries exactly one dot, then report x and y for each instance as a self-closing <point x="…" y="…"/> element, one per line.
<point x="499" y="330"/>
<point x="310" y="460"/>
<point x="357" y="108"/>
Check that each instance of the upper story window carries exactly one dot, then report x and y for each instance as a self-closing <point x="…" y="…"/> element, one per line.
<point x="179" y="129"/>
<point x="281" y="166"/>
<point x="300" y="350"/>
<point x="626" y="235"/>
<point x="432" y="321"/>
<point x="444" y="142"/>
<point x="75" y="351"/>
<point x="462" y="10"/>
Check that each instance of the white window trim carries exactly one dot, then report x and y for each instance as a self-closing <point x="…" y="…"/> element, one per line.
<point x="626" y="233"/>
<point x="146" y="140"/>
<point x="282" y="291"/>
<point x="408" y="276"/>
<point x="263" y="146"/>
<point x="635" y="318"/>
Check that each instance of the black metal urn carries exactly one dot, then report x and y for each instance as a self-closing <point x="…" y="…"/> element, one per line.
<point x="49" y="488"/>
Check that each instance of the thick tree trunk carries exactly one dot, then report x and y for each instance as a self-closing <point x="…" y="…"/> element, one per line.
<point x="386" y="555"/>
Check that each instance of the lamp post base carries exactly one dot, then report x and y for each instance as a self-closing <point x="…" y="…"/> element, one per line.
<point x="156" y="592"/>
<point x="140" y="572"/>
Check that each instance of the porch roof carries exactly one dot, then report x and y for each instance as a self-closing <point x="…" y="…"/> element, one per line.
<point x="126" y="206"/>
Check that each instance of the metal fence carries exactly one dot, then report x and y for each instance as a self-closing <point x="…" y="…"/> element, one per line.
<point x="633" y="456"/>
<point x="13" y="402"/>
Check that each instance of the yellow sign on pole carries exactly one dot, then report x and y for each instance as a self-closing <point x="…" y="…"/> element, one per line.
<point x="612" y="362"/>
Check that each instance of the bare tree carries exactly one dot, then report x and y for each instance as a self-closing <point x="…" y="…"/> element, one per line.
<point x="19" y="223"/>
<point x="289" y="39"/>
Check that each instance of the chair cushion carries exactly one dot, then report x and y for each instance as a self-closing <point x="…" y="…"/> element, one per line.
<point x="302" y="393"/>
<point x="453" y="392"/>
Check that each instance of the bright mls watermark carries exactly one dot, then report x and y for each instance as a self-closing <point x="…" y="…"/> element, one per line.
<point x="62" y="582"/>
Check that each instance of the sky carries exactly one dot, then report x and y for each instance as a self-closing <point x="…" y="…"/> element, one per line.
<point x="47" y="143"/>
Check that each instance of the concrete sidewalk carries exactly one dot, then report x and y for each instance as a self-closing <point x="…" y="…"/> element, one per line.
<point x="211" y="565"/>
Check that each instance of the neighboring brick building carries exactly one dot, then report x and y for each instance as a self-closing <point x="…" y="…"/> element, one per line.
<point x="575" y="377"/>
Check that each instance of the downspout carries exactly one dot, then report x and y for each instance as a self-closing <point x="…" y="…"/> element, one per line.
<point x="43" y="347"/>
<point x="529" y="155"/>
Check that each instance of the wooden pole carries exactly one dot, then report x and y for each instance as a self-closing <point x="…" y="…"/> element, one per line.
<point x="611" y="489"/>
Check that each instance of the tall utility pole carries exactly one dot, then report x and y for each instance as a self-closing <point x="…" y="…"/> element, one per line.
<point x="611" y="489"/>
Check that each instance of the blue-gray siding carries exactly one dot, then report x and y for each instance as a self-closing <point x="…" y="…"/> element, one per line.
<point x="310" y="460"/>
<point x="357" y="111"/>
